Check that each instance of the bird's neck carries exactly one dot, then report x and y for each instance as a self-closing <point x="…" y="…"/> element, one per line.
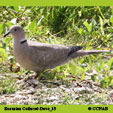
<point x="18" y="39"/>
<point x="17" y="43"/>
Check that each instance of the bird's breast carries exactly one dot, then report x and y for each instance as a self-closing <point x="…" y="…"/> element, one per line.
<point x="20" y="53"/>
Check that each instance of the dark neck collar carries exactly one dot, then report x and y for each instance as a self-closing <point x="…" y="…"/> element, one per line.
<point x="23" y="41"/>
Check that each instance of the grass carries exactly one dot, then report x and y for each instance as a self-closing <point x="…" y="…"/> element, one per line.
<point x="98" y="70"/>
<point x="66" y="26"/>
<point x="7" y="83"/>
<point x="79" y="67"/>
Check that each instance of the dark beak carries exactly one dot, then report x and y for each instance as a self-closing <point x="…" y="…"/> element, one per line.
<point x="6" y="34"/>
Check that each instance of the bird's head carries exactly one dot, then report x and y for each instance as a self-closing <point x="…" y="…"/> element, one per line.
<point x="17" y="31"/>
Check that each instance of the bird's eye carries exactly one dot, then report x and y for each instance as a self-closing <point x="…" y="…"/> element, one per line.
<point x="15" y="30"/>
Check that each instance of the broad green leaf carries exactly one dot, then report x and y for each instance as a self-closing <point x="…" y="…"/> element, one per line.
<point x="80" y="30"/>
<point x="33" y="26"/>
<point x="9" y="24"/>
<point x="5" y="42"/>
<point x="3" y="54"/>
<point x="2" y="28"/>
<point x="88" y="26"/>
<point x="81" y="60"/>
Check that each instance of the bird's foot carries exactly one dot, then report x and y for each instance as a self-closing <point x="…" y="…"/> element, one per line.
<point x="36" y="76"/>
<point x="39" y="78"/>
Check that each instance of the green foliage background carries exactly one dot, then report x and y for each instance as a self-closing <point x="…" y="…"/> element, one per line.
<point x="89" y="26"/>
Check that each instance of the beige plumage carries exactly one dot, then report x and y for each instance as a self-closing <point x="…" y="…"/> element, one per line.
<point x="37" y="56"/>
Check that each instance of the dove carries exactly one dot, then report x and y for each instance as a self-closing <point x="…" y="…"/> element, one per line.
<point x="36" y="56"/>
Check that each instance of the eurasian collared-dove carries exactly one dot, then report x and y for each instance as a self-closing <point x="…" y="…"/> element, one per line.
<point x="38" y="56"/>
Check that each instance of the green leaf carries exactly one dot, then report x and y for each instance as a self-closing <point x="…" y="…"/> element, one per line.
<point x="101" y="23"/>
<point x="5" y="42"/>
<point x="103" y="83"/>
<point x="9" y="24"/>
<point x="73" y="68"/>
<point x="88" y="26"/>
<point x="93" y="78"/>
<point x="110" y="63"/>
<point x="3" y="54"/>
<point x="33" y="26"/>
<point x="2" y="28"/>
<point x="80" y="30"/>
<point x="82" y="72"/>
<point x="111" y="19"/>
<point x="107" y="37"/>
<point x="82" y="76"/>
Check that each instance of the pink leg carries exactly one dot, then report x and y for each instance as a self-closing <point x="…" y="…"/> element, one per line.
<point x="36" y="76"/>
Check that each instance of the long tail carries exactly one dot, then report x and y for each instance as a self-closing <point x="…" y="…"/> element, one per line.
<point x="87" y="52"/>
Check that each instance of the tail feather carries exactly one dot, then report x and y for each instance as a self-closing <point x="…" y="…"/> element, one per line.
<point x="74" y="49"/>
<point x="87" y="52"/>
